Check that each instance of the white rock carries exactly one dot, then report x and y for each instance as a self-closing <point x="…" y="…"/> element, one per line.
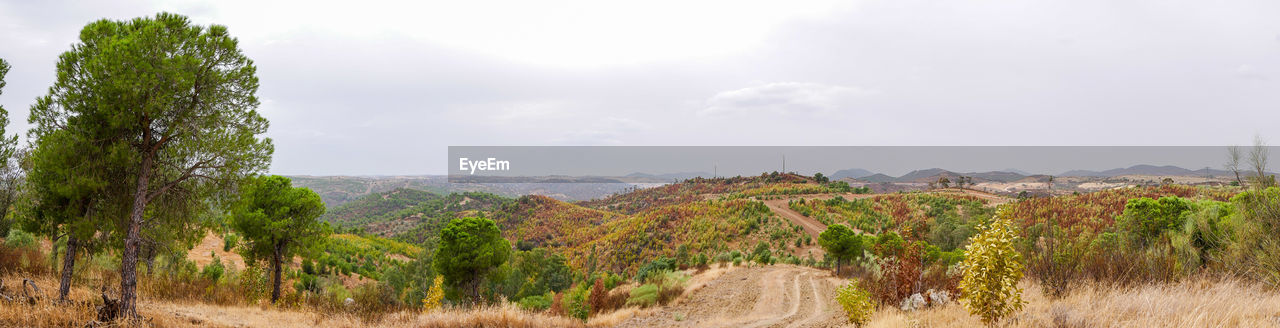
<point x="915" y="302"/>
<point x="348" y="302"/>
<point x="938" y="297"/>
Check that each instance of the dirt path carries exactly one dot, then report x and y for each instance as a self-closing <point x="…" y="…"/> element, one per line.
<point x="781" y="208"/>
<point x="773" y="296"/>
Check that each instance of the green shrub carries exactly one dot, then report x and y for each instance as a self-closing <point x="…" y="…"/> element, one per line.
<point x="1147" y="218"/>
<point x="762" y="254"/>
<point x="536" y="302"/>
<point x="306" y="283"/>
<point x="992" y="268"/>
<point x="653" y="268"/>
<point x="214" y="270"/>
<point x="230" y="241"/>
<point x="857" y="303"/>
<point x="576" y="302"/>
<point x="19" y="239"/>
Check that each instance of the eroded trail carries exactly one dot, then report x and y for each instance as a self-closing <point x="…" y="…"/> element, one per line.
<point x="773" y="296"/>
<point x="781" y="208"/>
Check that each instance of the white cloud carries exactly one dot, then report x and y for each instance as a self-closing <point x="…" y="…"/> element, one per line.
<point x="786" y="98"/>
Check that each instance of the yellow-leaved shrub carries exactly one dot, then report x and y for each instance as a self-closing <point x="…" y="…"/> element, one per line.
<point x="992" y="268"/>
<point x="434" y="295"/>
<point x="857" y="303"/>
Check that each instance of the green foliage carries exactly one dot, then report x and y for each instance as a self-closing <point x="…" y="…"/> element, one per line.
<point x="160" y="106"/>
<point x="576" y="303"/>
<point x="229" y="242"/>
<point x="19" y="239"/>
<point x="857" y="303"/>
<point x="307" y="283"/>
<point x="277" y="222"/>
<point x="889" y="244"/>
<point x="1257" y="227"/>
<point x="469" y="249"/>
<point x="992" y="270"/>
<point x="655" y="269"/>
<point x="1147" y="218"/>
<point x="841" y="243"/>
<point x="762" y="254"/>
<point x="214" y="270"/>
<point x="536" y="302"/>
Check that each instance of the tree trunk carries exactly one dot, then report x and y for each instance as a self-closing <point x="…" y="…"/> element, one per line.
<point x="129" y="261"/>
<point x="275" y="274"/>
<point x="475" y="291"/>
<point x="68" y="265"/>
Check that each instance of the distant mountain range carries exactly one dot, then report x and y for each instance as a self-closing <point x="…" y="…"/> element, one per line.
<point x="1010" y="175"/>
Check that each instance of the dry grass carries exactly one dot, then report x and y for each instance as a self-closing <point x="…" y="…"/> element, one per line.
<point x="1194" y="303"/>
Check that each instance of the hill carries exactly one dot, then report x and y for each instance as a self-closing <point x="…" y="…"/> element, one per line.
<point x="375" y="205"/>
<point x="851" y="173"/>
<point x="338" y="190"/>
<point x="395" y="212"/>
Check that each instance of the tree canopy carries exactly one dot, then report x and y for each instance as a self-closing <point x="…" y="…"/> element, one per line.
<point x="172" y="106"/>
<point x="277" y="222"/>
<point x="841" y="243"/>
<point x="469" y="249"/>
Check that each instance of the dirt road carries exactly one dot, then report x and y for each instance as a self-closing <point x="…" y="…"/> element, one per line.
<point x="773" y="296"/>
<point x="811" y="226"/>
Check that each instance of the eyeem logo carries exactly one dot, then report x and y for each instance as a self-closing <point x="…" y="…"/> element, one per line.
<point x="489" y="164"/>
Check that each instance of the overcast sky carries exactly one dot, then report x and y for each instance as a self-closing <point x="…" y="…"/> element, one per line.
<point x="374" y="87"/>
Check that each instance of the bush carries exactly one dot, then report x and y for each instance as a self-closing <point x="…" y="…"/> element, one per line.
<point x="307" y="283"/>
<point x="576" y="305"/>
<point x="436" y="294"/>
<point x="857" y="303"/>
<point x="762" y="254"/>
<point x="214" y="270"/>
<point x="536" y="302"/>
<point x="373" y="300"/>
<point x="598" y="296"/>
<point x="230" y="241"/>
<point x="1147" y="218"/>
<point x="992" y="269"/>
<point x="654" y="268"/>
<point x="19" y="239"/>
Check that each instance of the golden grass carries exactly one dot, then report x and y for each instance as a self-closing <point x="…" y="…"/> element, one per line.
<point x="1194" y="303"/>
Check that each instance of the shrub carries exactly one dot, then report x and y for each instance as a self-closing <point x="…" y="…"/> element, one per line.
<point x="576" y="306"/>
<point x="307" y="283"/>
<point x="857" y="303"/>
<point x="1147" y="218"/>
<point x="654" y="268"/>
<point x="436" y="294"/>
<point x="598" y="296"/>
<point x="373" y="300"/>
<point x="19" y="239"/>
<point x="536" y="302"/>
<point x="762" y="254"/>
<point x="230" y="241"/>
<point x="214" y="270"/>
<point x="557" y="304"/>
<point x="992" y="269"/>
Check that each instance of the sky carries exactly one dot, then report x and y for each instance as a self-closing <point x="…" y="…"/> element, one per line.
<point x="383" y="87"/>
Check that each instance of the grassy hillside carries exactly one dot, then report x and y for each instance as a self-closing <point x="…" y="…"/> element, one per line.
<point x="372" y="207"/>
<point x="620" y="243"/>
<point x="398" y="211"/>
<point x="696" y="189"/>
